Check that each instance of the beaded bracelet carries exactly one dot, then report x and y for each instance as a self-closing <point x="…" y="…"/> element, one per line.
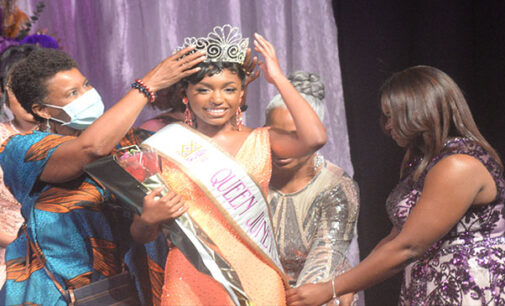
<point x="336" y="300"/>
<point x="139" y="84"/>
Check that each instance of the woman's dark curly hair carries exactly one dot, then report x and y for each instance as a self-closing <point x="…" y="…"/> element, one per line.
<point x="8" y="58"/>
<point x="29" y="77"/>
<point x="210" y="69"/>
<point x="169" y="99"/>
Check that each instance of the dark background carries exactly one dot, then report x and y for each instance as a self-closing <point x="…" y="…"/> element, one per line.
<point x="466" y="39"/>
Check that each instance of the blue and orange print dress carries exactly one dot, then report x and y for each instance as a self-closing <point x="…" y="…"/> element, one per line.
<point x="71" y="237"/>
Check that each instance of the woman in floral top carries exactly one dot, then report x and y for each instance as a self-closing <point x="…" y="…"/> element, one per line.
<point x="447" y="210"/>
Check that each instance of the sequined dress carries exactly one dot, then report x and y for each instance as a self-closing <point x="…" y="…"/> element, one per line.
<point x="466" y="266"/>
<point x="314" y="226"/>
<point x="10" y="215"/>
<point x="183" y="284"/>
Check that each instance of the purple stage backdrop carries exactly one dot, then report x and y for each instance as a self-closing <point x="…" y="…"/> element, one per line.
<point x="116" y="41"/>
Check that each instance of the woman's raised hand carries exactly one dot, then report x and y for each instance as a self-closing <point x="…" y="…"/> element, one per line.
<point x="271" y="68"/>
<point x="249" y="65"/>
<point x="174" y="68"/>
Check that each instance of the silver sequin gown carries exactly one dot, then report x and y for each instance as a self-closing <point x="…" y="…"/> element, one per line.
<point x="315" y="225"/>
<point x="466" y="266"/>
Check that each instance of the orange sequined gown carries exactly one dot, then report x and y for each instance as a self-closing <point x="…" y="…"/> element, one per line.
<point x="184" y="285"/>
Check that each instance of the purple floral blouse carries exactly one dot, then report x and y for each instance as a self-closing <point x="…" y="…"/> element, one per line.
<point x="466" y="266"/>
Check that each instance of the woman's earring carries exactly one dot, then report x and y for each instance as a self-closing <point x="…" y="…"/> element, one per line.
<point x="48" y="127"/>
<point x="187" y="113"/>
<point x="239" y="120"/>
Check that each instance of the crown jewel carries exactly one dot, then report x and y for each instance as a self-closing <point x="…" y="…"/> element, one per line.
<point x="223" y="44"/>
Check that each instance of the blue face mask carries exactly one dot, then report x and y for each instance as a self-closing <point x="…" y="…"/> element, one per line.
<point x="83" y="111"/>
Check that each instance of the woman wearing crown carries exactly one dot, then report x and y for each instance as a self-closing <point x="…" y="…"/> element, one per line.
<point x="220" y="170"/>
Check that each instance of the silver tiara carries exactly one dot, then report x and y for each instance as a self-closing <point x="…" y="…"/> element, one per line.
<point x="223" y="44"/>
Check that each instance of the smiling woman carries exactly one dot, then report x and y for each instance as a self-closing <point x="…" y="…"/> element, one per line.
<point x="215" y="94"/>
<point x="235" y="225"/>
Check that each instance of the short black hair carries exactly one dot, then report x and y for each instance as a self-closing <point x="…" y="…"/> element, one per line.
<point x="8" y="58"/>
<point x="29" y="77"/>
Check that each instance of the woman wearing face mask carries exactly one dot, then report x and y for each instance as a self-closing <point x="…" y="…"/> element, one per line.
<point x="70" y="239"/>
<point x="10" y="216"/>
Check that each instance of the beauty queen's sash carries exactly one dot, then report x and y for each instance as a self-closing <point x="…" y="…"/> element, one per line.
<point x="231" y="190"/>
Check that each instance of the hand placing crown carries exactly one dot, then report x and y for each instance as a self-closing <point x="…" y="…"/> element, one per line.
<point x="223" y="44"/>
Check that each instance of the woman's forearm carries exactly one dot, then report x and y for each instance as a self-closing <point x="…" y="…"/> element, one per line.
<point x="104" y="134"/>
<point x="309" y="128"/>
<point x="386" y="261"/>
<point x="143" y="232"/>
<point x="383" y="263"/>
<point x="99" y="139"/>
<point x="96" y="141"/>
<point x="394" y="232"/>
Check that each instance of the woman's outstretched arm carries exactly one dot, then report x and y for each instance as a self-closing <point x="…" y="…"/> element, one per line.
<point x="451" y="187"/>
<point x="310" y="133"/>
<point x="99" y="139"/>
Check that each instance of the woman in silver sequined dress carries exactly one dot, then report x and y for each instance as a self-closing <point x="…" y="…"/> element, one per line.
<point x="448" y="209"/>
<point x="314" y="202"/>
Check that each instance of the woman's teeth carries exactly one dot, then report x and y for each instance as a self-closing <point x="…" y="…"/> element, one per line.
<point x="216" y="111"/>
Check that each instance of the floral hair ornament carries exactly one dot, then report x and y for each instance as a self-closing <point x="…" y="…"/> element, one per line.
<point x="223" y="44"/>
<point x="42" y="40"/>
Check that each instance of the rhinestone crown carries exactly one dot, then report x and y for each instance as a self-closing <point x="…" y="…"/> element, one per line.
<point x="223" y="44"/>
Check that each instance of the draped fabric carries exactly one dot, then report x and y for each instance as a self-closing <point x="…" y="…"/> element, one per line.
<point x="116" y="41"/>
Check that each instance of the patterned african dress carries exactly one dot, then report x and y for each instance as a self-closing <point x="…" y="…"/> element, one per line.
<point x="71" y="236"/>
<point x="315" y="225"/>
<point x="10" y="215"/>
<point x="466" y="266"/>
